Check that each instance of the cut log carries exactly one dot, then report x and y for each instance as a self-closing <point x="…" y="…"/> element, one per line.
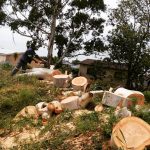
<point x="85" y="99"/>
<point x="114" y="100"/>
<point x="41" y="107"/>
<point x="70" y="103"/>
<point x="41" y="73"/>
<point x="79" y="83"/>
<point x="76" y="102"/>
<point x="97" y="93"/>
<point x="134" y="97"/>
<point x="99" y="108"/>
<point x="53" y="73"/>
<point x="131" y="133"/>
<point x="55" y="106"/>
<point x="61" y="81"/>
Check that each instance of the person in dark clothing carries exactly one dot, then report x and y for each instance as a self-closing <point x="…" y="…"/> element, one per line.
<point x="26" y="58"/>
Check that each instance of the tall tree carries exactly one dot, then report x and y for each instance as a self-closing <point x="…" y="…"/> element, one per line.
<point x="128" y="42"/>
<point x="70" y="25"/>
<point x="2" y="14"/>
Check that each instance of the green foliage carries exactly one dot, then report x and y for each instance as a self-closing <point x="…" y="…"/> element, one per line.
<point x="108" y="126"/>
<point x="147" y="96"/>
<point x="87" y="122"/>
<point x="129" y="41"/>
<point x="96" y="85"/>
<point x="17" y="93"/>
<point x="143" y="113"/>
<point x="100" y="85"/>
<point x="97" y="142"/>
<point x="65" y="116"/>
<point x="76" y="62"/>
<point x="75" y="72"/>
<point x="94" y="5"/>
<point x="6" y="66"/>
<point x="37" y="20"/>
<point x="26" y="79"/>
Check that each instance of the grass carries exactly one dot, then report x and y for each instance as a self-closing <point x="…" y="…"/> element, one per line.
<point x="87" y="122"/>
<point x="147" y="96"/>
<point x="19" y="92"/>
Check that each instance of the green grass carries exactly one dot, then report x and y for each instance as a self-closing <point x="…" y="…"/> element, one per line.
<point x="19" y="92"/>
<point x="87" y="122"/>
<point x="147" y="96"/>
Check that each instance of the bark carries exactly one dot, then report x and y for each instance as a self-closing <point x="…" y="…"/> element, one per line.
<point x="129" y="77"/>
<point x="52" y="35"/>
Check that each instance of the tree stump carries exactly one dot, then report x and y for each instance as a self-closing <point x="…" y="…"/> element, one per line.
<point x="131" y="133"/>
<point x="61" y="80"/>
<point x="79" y="83"/>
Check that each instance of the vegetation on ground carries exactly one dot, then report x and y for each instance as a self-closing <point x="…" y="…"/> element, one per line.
<point x="92" y="130"/>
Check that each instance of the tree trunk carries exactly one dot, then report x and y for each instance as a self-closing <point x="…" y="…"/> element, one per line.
<point x="51" y="40"/>
<point x="52" y="35"/>
<point x="129" y="78"/>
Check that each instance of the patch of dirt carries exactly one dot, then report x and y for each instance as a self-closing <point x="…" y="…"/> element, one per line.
<point x="83" y="141"/>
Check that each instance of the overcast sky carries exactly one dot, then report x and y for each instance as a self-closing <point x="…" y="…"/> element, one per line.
<point x="11" y="42"/>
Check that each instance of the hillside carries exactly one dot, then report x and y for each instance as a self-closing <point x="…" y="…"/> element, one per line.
<point x="83" y="129"/>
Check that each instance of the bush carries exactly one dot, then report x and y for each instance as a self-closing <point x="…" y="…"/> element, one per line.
<point x="97" y="85"/>
<point x="147" y="96"/>
<point x="143" y="113"/>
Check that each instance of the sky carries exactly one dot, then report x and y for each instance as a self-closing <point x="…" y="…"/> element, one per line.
<point x="12" y="42"/>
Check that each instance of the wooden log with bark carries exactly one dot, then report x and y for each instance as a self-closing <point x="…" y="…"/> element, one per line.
<point x="61" y="80"/>
<point x="131" y="133"/>
<point x="79" y="83"/>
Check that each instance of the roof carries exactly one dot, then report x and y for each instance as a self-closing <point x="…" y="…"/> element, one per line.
<point x="5" y="54"/>
<point x="104" y="64"/>
<point x="88" y="61"/>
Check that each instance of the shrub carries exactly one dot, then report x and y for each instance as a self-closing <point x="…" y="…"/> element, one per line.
<point x="97" y="85"/>
<point x="143" y="113"/>
<point x="147" y="96"/>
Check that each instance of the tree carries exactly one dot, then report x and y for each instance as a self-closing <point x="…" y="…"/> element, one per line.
<point x="128" y="42"/>
<point x="70" y="25"/>
<point x="2" y="14"/>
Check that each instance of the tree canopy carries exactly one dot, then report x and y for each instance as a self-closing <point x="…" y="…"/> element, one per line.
<point x="70" y="25"/>
<point x="129" y="40"/>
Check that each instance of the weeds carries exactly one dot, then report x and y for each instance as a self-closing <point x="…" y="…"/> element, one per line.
<point x="97" y="141"/>
<point x="108" y="126"/>
<point x="147" y="96"/>
<point x="18" y="92"/>
<point x="6" y="66"/>
<point x="143" y="113"/>
<point x="87" y="122"/>
<point x="65" y="116"/>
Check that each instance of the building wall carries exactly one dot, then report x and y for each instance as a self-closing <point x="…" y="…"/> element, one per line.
<point x="107" y="74"/>
<point x="2" y="58"/>
<point x="83" y="70"/>
<point x="12" y="60"/>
